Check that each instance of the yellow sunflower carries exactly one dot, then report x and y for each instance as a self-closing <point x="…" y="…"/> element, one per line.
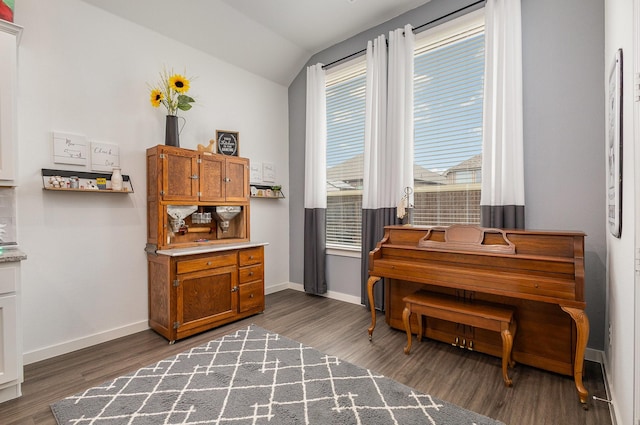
<point x="156" y="97"/>
<point x="178" y="83"/>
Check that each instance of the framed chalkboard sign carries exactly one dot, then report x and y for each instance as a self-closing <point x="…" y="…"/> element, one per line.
<point x="228" y="142"/>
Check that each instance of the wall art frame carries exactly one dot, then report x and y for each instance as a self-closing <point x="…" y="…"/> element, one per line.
<point x="614" y="147"/>
<point x="228" y="142"/>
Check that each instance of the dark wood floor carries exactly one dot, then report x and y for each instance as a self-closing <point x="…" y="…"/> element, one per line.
<point x="469" y="379"/>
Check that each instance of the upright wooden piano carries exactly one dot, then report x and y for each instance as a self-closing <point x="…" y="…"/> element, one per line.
<point x="540" y="273"/>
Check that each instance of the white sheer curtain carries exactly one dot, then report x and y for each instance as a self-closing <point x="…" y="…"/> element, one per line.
<point x="375" y="131"/>
<point x="502" y="199"/>
<point x="315" y="194"/>
<point x="388" y="151"/>
<point x="400" y="112"/>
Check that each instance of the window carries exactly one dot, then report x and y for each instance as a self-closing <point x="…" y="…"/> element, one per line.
<point x="345" y="147"/>
<point x="448" y="95"/>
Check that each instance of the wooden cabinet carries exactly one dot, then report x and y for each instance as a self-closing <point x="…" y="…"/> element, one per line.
<point x="193" y="293"/>
<point x="182" y="177"/>
<point x="11" y="375"/>
<point x="206" y="286"/>
<point x="192" y="176"/>
<point x="9" y="36"/>
<point x="227" y="178"/>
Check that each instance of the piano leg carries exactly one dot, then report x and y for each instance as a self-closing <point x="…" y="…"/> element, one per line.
<point x="372" y="281"/>
<point x="582" y="326"/>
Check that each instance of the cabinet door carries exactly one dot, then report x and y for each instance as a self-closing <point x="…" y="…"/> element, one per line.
<point x="206" y="297"/>
<point x="9" y="351"/>
<point x="180" y="179"/>
<point x="8" y="70"/>
<point x="212" y="174"/>
<point x="237" y="179"/>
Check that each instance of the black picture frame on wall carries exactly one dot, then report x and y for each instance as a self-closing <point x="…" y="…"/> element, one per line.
<point x="228" y="142"/>
<point x="614" y="147"/>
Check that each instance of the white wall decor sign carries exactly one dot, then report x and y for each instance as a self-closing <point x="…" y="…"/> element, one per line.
<point x="256" y="172"/>
<point x="69" y="149"/>
<point x="104" y="156"/>
<point x="268" y="172"/>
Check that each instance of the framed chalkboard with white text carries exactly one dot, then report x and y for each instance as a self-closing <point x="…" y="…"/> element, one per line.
<point x="228" y="142"/>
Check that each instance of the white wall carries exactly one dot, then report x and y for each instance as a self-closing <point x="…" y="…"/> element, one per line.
<point x="620" y="262"/>
<point x="84" y="71"/>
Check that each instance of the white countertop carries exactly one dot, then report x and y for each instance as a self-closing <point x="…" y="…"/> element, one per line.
<point x="9" y="255"/>
<point x="178" y="252"/>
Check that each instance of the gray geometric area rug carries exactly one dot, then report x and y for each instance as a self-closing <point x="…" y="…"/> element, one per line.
<point x="254" y="376"/>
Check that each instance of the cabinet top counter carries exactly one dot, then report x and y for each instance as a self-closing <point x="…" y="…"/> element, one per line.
<point x="178" y="252"/>
<point x="11" y="255"/>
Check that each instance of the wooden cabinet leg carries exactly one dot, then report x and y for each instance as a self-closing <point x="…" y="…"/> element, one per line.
<point x="582" y="326"/>
<point x="372" y="281"/>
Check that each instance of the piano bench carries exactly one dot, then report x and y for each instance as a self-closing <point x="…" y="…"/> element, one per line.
<point x="493" y="317"/>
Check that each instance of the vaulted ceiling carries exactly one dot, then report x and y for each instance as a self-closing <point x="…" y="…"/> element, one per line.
<point x="270" y="38"/>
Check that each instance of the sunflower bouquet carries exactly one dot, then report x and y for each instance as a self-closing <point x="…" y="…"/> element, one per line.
<point x="171" y="93"/>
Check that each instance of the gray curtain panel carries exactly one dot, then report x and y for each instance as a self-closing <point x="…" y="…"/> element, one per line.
<point x="373" y="222"/>
<point x="502" y="216"/>
<point x="315" y="243"/>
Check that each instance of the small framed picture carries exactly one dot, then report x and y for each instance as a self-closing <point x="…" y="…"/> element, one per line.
<point x="228" y="142"/>
<point x="614" y="147"/>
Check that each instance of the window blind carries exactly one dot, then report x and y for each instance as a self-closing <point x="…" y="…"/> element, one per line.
<point x="345" y="147"/>
<point x="448" y="96"/>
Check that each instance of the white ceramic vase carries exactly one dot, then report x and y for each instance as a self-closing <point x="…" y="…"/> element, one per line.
<point x="116" y="179"/>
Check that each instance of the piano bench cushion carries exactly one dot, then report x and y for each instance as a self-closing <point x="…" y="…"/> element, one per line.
<point x="493" y="317"/>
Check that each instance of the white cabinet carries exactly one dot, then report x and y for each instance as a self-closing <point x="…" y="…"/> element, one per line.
<point x="11" y="375"/>
<point x="9" y="36"/>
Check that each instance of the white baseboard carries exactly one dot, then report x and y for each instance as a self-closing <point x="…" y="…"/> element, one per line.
<point x="276" y="288"/>
<point x="593" y="355"/>
<point x="87" y="341"/>
<point x="608" y="385"/>
<point x="330" y="294"/>
<point x="84" y="342"/>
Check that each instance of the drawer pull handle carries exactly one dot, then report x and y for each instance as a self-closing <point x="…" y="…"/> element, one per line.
<point x="208" y="263"/>
<point x="250" y="273"/>
<point x="251" y="296"/>
<point x="251" y="257"/>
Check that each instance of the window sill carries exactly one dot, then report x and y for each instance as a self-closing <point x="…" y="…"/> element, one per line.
<point x="343" y="251"/>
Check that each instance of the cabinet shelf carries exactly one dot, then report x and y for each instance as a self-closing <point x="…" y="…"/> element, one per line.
<point x="85" y="180"/>
<point x="265" y="191"/>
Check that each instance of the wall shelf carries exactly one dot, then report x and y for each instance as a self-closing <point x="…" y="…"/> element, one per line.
<point x="86" y="181"/>
<point x="265" y="191"/>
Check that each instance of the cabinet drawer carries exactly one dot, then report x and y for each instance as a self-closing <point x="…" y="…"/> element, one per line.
<point x="248" y="274"/>
<point x="251" y="256"/>
<point x="205" y="263"/>
<point x="252" y="296"/>
<point x="8" y="279"/>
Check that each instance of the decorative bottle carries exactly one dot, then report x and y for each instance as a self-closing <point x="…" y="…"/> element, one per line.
<point x="116" y="179"/>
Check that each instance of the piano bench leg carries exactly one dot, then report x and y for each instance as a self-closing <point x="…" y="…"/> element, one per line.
<point x="406" y="314"/>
